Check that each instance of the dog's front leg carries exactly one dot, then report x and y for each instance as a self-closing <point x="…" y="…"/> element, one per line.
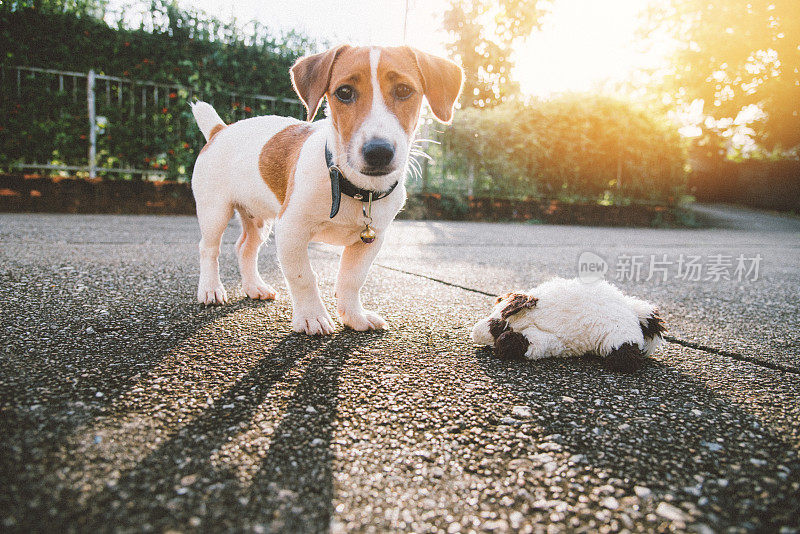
<point x="353" y="268"/>
<point x="308" y="312"/>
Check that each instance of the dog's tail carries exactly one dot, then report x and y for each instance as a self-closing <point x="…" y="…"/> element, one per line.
<point x="207" y="119"/>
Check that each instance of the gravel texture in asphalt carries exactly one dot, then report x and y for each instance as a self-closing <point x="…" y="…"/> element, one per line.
<point x="125" y="406"/>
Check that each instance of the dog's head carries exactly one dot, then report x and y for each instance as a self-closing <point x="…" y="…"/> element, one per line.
<point x="374" y="97"/>
<point x="505" y="317"/>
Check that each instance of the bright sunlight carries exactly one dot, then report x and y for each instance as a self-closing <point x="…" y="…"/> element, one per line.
<point x="583" y="44"/>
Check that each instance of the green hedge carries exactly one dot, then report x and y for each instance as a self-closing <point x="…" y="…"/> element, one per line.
<point x="576" y="147"/>
<point x="45" y="125"/>
<point x="186" y="48"/>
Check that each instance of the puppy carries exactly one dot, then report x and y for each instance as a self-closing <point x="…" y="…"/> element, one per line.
<point x="314" y="181"/>
<point x="571" y="318"/>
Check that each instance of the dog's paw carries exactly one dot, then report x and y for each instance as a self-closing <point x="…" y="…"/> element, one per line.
<point x="366" y="320"/>
<point x="313" y="323"/>
<point x="212" y="295"/>
<point x="259" y="291"/>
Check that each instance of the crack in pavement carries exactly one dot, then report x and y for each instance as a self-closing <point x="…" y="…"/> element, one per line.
<point x="671" y="339"/>
<point x="733" y="355"/>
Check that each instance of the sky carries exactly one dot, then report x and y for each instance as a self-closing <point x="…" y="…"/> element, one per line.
<point x="582" y="42"/>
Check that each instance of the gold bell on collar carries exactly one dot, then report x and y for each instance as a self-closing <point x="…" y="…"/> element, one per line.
<point x="368" y="235"/>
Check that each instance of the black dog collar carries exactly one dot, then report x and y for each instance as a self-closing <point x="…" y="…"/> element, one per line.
<point x="340" y="184"/>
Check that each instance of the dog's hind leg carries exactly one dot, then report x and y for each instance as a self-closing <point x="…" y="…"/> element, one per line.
<point x="255" y="232"/>
<point x="213" y="221"/>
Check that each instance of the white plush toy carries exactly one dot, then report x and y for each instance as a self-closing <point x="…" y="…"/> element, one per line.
<point x="572" y="318"/>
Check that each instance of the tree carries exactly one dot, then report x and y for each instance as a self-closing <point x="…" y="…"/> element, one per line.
<point x="80" y="8"/>
<point x="737" y="54"/>
<point x="484" y="33"/>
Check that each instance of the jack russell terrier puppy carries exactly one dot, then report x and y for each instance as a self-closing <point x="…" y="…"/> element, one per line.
<point x="338" y="180"/>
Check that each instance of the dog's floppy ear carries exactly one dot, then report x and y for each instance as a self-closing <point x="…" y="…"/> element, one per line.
<point x="311" y="76"/>
<point x="441" y="83"/>
<point x="517" y="302"/>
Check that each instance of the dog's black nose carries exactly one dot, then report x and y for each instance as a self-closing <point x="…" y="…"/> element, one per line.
<point x="378" y="152"/>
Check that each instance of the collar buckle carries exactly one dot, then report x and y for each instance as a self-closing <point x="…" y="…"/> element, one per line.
<point x="340" y="184"/>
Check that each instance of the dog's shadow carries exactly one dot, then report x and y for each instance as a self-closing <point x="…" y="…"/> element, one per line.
<point x="222" y="471"/>
<point x="657" y="428"/>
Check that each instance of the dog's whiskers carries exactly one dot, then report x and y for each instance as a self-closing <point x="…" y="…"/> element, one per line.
<point x="416" y="152"/>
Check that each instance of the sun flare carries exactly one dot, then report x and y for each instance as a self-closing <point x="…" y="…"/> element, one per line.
<point x="583" y="43"/>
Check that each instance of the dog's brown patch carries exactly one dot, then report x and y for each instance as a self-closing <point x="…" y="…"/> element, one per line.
<point x="212" y="134"/>
<point x="398" y="66"/>
<point x="352" y="68"/>
<point x="511" y="346"/>
<point x="278" y="160"/>
<point x="441" y="82"/>
<point x="311" y="77"/>
<point x="319" y="75"/>
<point x="516" y="303"/>
<point x="625" y="359"/>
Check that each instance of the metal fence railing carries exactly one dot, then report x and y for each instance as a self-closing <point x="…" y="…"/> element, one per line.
<point x="97" y="124"/>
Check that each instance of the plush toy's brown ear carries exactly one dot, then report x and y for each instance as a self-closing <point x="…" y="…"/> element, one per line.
<point x="517" y="302"/>
<point x="311" y="76"/>
<point x="497" y="327"/>
<point x="441" y="83"/>
<point x="500" y="298"/>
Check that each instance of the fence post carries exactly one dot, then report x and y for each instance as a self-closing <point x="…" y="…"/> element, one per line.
<point x="90" y="80"/>
<point x="425" y="171"/>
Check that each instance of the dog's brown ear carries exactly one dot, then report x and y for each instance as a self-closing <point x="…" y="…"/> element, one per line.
<point x="441" y="83"/>
<point x="311" y="76"/>
<point x="517" y="303"/>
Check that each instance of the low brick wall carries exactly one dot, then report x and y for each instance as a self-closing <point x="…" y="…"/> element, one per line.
<point x="772" y="185"/>
<point x="71" y="195"/>
<point x="435" y="206"/>
<point x="20" y="193"/>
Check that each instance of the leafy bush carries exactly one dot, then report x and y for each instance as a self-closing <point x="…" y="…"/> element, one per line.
<point x="45" y="123"/>
<point x="575" y="147"/>
<point x="175" y="46"/>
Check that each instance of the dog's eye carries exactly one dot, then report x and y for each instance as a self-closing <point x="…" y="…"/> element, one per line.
<point x="345" y="94"/>
<point x="403" y="91"/>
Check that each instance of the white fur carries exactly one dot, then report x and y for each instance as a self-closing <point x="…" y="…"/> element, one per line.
<point x="226" y="178"/>
<point x="205" y="116"/>
<point x="379" y="123"/>
<point x="572" y="318"/>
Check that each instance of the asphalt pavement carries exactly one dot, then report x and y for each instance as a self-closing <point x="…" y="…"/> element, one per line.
<point x="125" y="406"/>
